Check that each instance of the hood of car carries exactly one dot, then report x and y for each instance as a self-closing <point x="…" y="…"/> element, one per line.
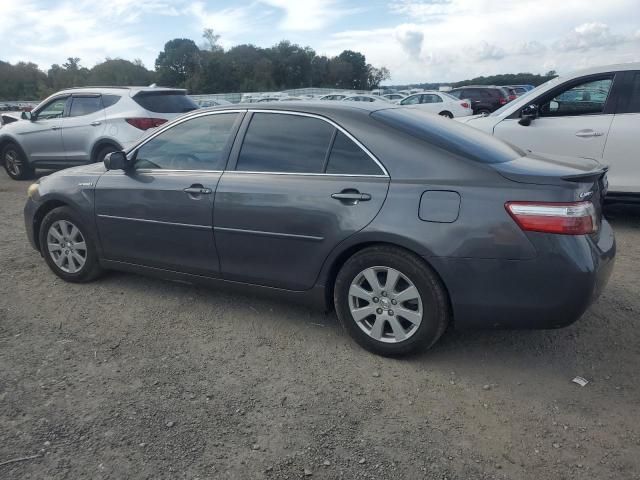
<point x="82" y="170"/>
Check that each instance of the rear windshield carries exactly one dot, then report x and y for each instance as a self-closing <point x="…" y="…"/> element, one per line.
<point x="451" y="136"/>
<point x="165" y="102"/>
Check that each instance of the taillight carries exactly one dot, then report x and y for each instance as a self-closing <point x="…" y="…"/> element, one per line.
<point x="512" y="98"/>
<point x="465" y="105"/>
<point x="503" y="101"/>
<point x="577" y="218"/>
<point x="145" y="123"/>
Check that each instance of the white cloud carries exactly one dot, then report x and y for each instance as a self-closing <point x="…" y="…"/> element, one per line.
<point x="309" y="14"/>
<point x="531" y="48"/>
<point x="487" y="51"/>
<point x="422" y="11"/>
<point x="410" y="39"/>
<point x="587" y="36"/>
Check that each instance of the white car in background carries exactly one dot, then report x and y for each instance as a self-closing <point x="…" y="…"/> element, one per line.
<point x="393" y="97"/>
<point x="593" y="113"/>
<point x="440" y="103"/>
<point x="364" y="98"/>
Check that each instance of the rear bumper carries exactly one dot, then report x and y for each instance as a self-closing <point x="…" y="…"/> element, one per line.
<point x="550" y="291"/>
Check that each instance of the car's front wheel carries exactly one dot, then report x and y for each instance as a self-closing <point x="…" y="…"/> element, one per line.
<point x="68" y="247"/>
<point x="15" y="163"/>
<point x="390" y="301"/>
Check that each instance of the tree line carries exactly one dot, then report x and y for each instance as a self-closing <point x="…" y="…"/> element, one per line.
<point x="207" y="68"/>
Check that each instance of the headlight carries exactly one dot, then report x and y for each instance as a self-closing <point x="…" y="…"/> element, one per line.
<point x="32" y="191"/>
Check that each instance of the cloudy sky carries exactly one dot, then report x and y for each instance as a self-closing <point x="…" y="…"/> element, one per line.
<point x="418" y="40"/>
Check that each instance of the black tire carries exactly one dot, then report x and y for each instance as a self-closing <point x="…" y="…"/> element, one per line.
<point x="435" y="305"/>
<point x="15" y="163"/>
<point x="91" y="268"/>
<point x="483" y="111"/>
<point x="446" y="114"/>
<point x="103" y="152"/>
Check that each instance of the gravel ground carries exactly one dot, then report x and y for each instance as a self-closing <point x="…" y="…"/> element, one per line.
<point x="131" y="377"/>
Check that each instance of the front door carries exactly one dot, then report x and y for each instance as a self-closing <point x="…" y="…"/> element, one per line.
<point x="573" y="121"/>
<point x="296" y="188"/>
<point x="159" y="214"/>
<point x="82" y="127"/>
<point x="41" y="138"/>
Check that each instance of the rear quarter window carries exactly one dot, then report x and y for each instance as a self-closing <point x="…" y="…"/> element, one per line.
<point x="165" y="102"/>
<point x="453" y="137"/>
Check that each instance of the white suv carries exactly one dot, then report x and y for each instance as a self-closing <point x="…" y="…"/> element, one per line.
<point x="83" y="125"/>
<point x="592" y="113"/>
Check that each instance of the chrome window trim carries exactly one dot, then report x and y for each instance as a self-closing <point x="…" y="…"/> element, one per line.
<point x="336" y="126"/>
<point x="385" y="173"/>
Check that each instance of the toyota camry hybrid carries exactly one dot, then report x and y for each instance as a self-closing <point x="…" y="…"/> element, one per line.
<point x="402" y="221"/>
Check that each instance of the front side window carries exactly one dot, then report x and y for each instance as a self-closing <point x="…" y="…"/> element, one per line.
<point x="586" y="98"/>
<point x="197" y="144"/>
<point x="54" y="109"/>
<point x="85" y="106"/>
<point x="285" y="143"/>
<point x="347" y="158"/>
<point x="412" y="100"/>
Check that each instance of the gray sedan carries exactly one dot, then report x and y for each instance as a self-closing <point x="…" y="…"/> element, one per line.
<point x="406" y="223"/>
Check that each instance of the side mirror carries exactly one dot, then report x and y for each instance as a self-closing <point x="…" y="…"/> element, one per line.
<point x="529" y="113"/>
<point x="117" y="161"/>
<point x="27" y="116"/>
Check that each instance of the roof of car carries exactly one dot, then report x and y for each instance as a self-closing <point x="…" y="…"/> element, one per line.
<point x="318" y="107"/>
<point x="93" y="89"/>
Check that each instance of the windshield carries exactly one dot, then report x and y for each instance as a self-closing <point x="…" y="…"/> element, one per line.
<point x="499" y="112"/>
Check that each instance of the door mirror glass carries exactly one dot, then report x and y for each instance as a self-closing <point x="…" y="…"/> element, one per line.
<point x="26" y="116"/>
<point x="116" y="161"/>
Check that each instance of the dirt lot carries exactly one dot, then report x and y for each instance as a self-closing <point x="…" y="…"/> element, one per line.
<point x="131" y="377"/>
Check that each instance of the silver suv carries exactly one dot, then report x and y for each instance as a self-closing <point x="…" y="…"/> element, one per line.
<point x="83" y="125"/>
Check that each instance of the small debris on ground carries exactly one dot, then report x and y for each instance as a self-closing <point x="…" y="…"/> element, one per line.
<point x="580" y="381"/>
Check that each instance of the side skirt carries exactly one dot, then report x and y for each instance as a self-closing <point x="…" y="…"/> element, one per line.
<point x="314" y="297"/>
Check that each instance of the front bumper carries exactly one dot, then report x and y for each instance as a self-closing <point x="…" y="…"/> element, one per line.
<point x="551" y="290"/>
<point x="30" y="210"/>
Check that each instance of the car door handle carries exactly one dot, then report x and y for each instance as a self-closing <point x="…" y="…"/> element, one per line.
<point x="351" y="197"/>
<point x="95" y="124"/>
<point x="198" y="190"/>
<point x="588" y="133"/>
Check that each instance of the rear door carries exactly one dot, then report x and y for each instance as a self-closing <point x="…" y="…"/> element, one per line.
<point x="297" y="186"/>
<point x="82" y="127"/>
<point x="574" y="120"/>
<point x="623" y="143"/>
<point x="160" y="213"/>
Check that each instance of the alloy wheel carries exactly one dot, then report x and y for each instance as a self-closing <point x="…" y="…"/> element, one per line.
<point x="13" y="163"/>
<point x="67" y="246"/>
<point x="385" y="304"/>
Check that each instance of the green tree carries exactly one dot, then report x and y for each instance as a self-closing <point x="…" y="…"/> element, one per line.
<point x="179" y="61"/>
<point x="119" y="72"/>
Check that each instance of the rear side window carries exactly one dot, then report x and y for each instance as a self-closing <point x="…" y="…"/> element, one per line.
<point x="586" y="98"/>
<point x="431" y="98"/>
<point x="85" y="106"/>
<point x="633" y="103"/>
<point x="110" y="100"/>
<point x="285" y="143"/>
<point x="165" y="102"/>
<point x="347" y="158"/>
<point x="453" y="137"/>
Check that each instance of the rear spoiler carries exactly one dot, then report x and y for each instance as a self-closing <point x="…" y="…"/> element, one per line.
<point x="591" y="176"/>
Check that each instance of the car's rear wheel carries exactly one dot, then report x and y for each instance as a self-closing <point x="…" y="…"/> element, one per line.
<point x="390" y="301"/>
<point x="446" y="114"/>
<point x="483" y="111"/>
<point x="67" y="246"/>
<point x="15" y="163"/>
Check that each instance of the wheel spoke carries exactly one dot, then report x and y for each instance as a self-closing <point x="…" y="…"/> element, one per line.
<point x="361" y="313"/>
<point x="80" y="246"/>
<point x="398" y="331"/>
<point x="372" y="278"/>
<point x="55" y="234"/>
<point x="409" y="293"/>
<point x="378" y="328"/>
<point x="359" y="292"/>
<point x="71" y="265"/>
<point x="54" y="247"/>
<point x="78" y="258"/>
<point x="409" y="315"/>
<point x="392" y="280"/>
<point x="73" y="233"/>
<point x="59" y="259"/>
